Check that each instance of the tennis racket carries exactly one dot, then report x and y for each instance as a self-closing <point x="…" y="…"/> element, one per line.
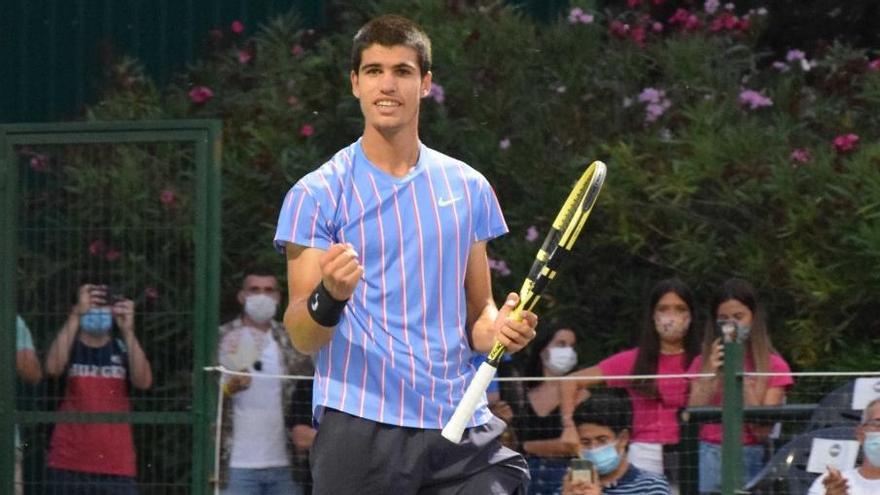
<point x="565" y="230"/>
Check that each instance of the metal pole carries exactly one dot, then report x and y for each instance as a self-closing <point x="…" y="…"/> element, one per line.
<point x="732" y="419"/>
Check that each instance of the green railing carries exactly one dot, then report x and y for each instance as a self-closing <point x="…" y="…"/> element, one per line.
<point x="63" y="220"/>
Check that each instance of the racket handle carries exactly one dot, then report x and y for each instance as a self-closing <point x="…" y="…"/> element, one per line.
<point x="465" y="410"/>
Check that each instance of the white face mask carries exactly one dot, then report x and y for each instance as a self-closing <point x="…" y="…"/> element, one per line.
<point x="260" y="307"/>
<point x="672" y="327"/>
<point x="560" y="360"/>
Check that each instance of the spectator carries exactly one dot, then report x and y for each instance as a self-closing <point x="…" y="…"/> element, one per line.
<point x="256" y="455"/>
<point x="97" y="366"/>
<point x="667" y="344"/>
<point x="862" y="480"/>
<point x="27" y="365"/>
<point x="603" y="427"/>
<point x="538" y="424"/>
<point x="736" y="309"/>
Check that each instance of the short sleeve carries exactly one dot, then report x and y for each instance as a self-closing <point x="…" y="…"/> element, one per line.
<point x="23" y="339"/>
<point x="301" y="220"/>
<point x="489" y="221"/>
<point x="695" y="367"/>
<point x="618" y="364"/>
<point x="778" y="365"/>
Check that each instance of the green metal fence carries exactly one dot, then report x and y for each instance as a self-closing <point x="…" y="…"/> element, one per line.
<point x="137" y="206"/>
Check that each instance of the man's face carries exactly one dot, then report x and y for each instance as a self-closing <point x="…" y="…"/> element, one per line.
<point x="259" y="284"/>
<point x="390" y="86"/>
<point x="594" y="436"/>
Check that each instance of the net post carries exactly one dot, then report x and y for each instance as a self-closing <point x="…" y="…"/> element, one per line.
<point x="732" y="419"/>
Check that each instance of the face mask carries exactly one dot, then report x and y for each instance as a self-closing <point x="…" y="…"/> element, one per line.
<point x="96" y="321"/>
<point x="871" y="447"/>
<point x="672" y="327"/>
<point x="605" y="458"/>
<point x="742" y="333"/>
<point x="560" y="360"/>
<point x="260" y="307"/>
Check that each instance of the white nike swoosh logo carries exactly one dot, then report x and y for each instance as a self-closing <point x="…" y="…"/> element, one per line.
<point x="315" y="303"/>
<point x="447" y="202"/>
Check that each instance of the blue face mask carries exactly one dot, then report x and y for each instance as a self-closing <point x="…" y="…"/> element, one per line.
<point x="96" y="321"/>
<point x="605" y="458"/>
<point x="871" y="447"/>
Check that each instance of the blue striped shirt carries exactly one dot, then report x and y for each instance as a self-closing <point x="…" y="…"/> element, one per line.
<point x="637" y="482"/>
<point x="400" y="354"/>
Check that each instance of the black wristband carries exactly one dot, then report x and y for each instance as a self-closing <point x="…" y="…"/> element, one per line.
<point x="323" y="308"/>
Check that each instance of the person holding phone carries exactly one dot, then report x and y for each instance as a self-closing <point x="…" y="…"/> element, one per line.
<point x="97" y="355"/>
<point x="603" y="424"/>
<point x="736" y="314"/>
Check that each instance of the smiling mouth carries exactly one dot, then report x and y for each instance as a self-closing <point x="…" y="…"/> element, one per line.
<point x="387" y="104"/>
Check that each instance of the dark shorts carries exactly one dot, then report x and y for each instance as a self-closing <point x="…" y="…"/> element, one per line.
<point x="63" y="482"/>
<point x="352" y="455"/>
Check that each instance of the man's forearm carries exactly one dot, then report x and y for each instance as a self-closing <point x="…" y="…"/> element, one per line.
<point x="305" y="333"/>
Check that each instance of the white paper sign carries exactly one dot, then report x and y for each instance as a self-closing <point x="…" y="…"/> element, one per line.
<point x="865" y="390"/>
<point x="840" y="454"/>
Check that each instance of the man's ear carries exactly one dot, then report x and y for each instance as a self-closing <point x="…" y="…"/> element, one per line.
<point x="623" y="439"/>
<point x="353" y="77"/>
<point x="426" y="83"/>
<point x="241" y="297"/>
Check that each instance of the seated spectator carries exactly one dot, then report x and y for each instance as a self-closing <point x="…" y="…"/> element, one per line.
<point x="862" y="480"/>
<point x="538" y="424"/>
<point x="603" y="424"/>
<point x="256" y="455"/>
<point x="27" y="365"/>
<point x="98" y="356"/>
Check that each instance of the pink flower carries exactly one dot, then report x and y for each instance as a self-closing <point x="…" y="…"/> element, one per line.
<point x="39" y="163"/>
<point x="200" y="94"/>
<point x="754" y="99"/>
<point x="437" y="93"/>
<point x="531" y="234"/>
<point x="112" y="255"/>
<point x="651" y="95"/>
<point x="97" y="247"/>
<point x="296" y="50"/>
<point x="151" y="293"/>
<point x="794" y="56"/>
<point x="686" y="19"/>
<point x="578" y="16"/>
<point x="638" y="35"/>
<point x="236" y="27"/>
<point x="499" y="266"/>
<point x="619" y="29"/>
<point x="504" y="143"/>
<point x="633" y="3"/>
<point x="657" y="27"/>
<point x="874" y="65"/>
<point x="780" y="66"/>
<point x="167" y="197"/>
<point x="656" y="103"/>
<point x="845" y="143"/>
<point x="801" y="155"/>
<point x="307" y="130"/>
<point x="711" y="6"/>
<point x="245" y="56"/>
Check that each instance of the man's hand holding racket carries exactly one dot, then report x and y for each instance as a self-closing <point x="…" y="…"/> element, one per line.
<point x="514" y="333"/>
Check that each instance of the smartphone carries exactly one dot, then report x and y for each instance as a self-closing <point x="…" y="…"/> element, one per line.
<point x="582" y="471"/>
<point x="726" y="329"/>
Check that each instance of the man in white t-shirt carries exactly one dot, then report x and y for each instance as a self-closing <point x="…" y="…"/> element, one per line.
<point x="862" y="480"/>
<point x="256" y="454"/>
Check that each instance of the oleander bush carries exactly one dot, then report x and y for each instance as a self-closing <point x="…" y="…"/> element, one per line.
<point x="725" y="159"/>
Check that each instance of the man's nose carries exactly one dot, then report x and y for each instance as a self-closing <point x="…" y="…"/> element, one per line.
<point x="388" y="83"/>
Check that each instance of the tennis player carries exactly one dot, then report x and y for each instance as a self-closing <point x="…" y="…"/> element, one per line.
<point x="390" y="289"/>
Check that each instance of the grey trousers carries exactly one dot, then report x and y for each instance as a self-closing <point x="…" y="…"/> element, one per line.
<point x="352" y="455"/>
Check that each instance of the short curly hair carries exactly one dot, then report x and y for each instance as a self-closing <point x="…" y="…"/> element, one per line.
<point x="605" y="408"/>
<point x="392" y="30"/>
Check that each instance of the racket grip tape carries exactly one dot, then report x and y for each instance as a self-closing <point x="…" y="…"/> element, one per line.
<point x="454" y="429"/>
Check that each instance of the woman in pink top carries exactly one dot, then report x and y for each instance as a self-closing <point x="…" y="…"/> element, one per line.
<point x="735" y="306"/>
<point x="667" y="345"/>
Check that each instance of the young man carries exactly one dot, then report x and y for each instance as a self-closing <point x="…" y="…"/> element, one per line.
<point x="603" y="426"/>
<point x="97" y="366"/>
<point x="256" y="454"/>
<point x="390" y="288"/>
<point x="862" y="480"/>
